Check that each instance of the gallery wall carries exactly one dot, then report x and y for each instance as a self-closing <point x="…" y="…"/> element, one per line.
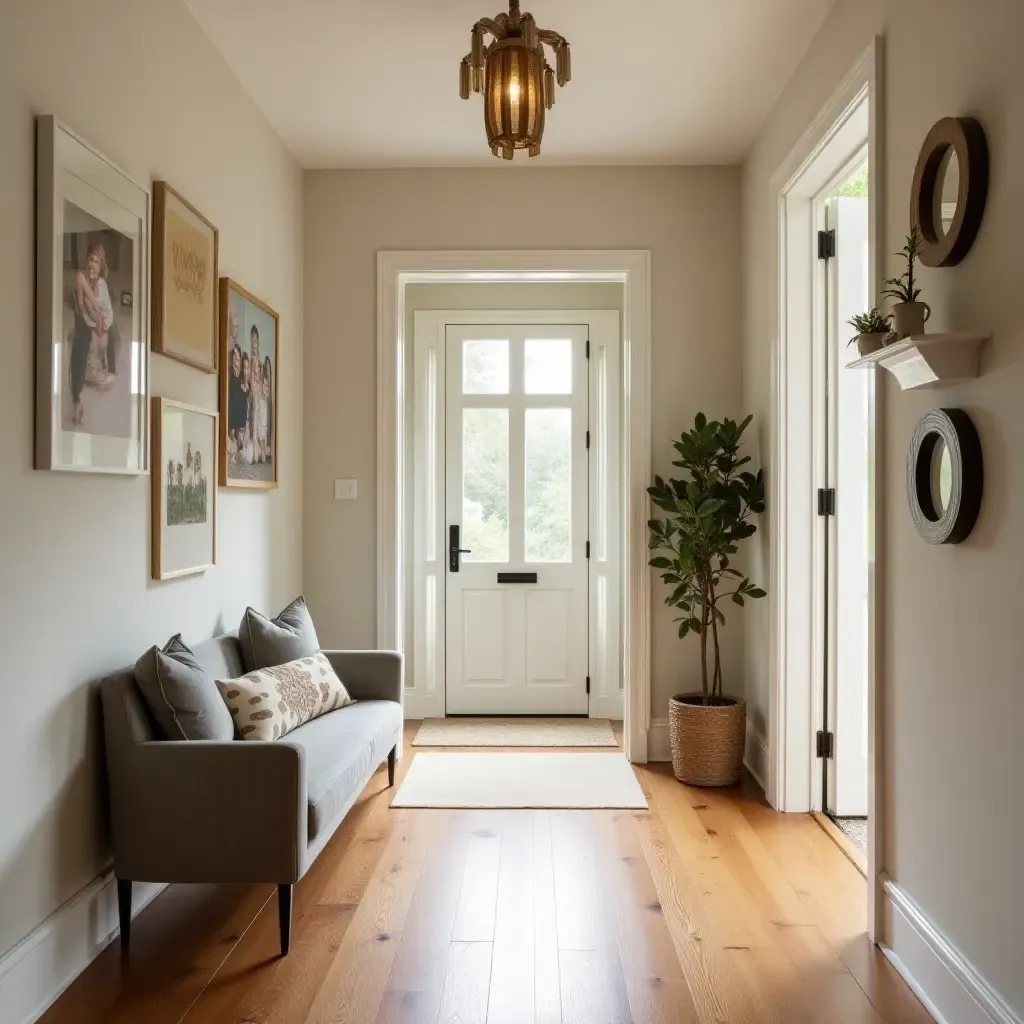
<point x="687" y="217"/>
<point x="952" y="642"/>
<point x="143" y="85"/>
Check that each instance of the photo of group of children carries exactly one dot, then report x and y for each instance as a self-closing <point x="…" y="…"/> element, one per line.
<point x="251" y="356"/>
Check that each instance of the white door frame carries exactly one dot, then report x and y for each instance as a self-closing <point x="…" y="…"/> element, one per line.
<point x="426" y="697"/>
<point x="797" y="570"/>
<point x="630" y="268"/>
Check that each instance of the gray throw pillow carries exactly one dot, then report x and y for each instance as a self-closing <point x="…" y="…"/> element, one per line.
<point x="182" y="696"/>
<point x="269" y="642"/>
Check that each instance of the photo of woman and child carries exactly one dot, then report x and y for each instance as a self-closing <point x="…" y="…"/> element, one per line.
<point x="100" y="399"/>
<point x="251" y="355"/>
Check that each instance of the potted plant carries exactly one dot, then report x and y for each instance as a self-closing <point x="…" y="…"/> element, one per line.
<point x="909" y="315"/>
<point x="873" y="330"/>
<point x="708" y="514"/>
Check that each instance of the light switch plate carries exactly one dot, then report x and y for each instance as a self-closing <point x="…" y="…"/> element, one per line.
<point x="344" y="490"/>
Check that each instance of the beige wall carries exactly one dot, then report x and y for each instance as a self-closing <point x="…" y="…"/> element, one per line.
<point x="952" y="640"/>
<point x="687" y="217"/>
<point x="141" y="83"/>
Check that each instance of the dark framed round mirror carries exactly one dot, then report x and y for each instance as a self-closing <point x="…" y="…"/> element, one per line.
<point x="950" y="187"/>
<point x="945" y="476"/>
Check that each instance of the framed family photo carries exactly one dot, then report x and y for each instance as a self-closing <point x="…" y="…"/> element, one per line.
<point x="185" y="249"/>
<point x="248" y="394"/>
<point x="184" y="508"/>
<point x="92" y="327"/>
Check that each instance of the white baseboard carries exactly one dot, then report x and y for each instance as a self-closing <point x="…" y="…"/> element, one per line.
<point x="659" y="746"/>
<point x="40" y="967"/>
<point x="603" y="706"/>
<point x="943" y="979"/>
<point x="755" y="754"/>
<point x="422" y="705"/>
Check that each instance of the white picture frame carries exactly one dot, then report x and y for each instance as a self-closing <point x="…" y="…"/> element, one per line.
<point x="92" y="309"/>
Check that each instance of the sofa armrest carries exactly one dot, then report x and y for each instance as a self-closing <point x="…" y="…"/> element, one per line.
<point x="370" y="675"/>
<point x="209" y="811"/>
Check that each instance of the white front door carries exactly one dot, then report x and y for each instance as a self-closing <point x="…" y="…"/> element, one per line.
<point x="516" y="514"/>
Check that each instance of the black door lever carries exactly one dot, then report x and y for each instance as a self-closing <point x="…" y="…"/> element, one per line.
<point x="453" y="548"/>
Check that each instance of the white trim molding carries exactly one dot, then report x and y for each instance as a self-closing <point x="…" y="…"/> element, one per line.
<point x="796" y="572"/>
<point x="632" y="269"/>
<point x="948" y="984"/>
<point x="38" y="969"/>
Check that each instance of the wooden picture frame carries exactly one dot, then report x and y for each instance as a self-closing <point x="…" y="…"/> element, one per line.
<point x="248" y="429"/>
<point x="177" y="549"/>
<point x="92" y="346"/>
<point x="186" y="249"/>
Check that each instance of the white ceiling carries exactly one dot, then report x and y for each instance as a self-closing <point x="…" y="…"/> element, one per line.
<point x="374" y="83"/>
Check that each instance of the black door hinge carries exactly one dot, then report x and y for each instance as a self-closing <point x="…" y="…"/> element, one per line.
<point x="588" y="348"/>
<point x="826" y="501"/>
<point x="588" y="549"/>
<point x="826" y="744"/>
<point x="827" y="244"/>
<point x="588" y="438"/>
<point x="588" y="684"/>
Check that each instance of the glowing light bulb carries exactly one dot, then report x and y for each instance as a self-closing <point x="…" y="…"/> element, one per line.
<point x="513" y="92"/>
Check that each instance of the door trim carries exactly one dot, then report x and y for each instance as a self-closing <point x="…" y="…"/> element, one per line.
<point x="425" y="698"/>
<point x="632" y="269"/>
<point x="796" y="570"/>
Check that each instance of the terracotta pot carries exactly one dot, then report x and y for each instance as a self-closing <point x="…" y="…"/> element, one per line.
<point x="909" y="318"/>
<point x="707" y="742"/>
<point x="868" y="343"/>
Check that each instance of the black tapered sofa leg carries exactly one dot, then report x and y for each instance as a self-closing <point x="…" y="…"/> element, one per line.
<point x="124" y="911"/>
<point x="391" y="765"/>
<point x="284" y="913"/>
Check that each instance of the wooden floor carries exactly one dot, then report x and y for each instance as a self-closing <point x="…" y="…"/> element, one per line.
<point x="708" y="908"/>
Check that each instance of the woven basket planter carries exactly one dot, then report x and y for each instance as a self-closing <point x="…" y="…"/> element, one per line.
<point x="707" y="742"/>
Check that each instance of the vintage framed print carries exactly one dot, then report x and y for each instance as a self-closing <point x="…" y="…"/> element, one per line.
<point x="92" y="365"/>
<point x="249" y="369"/>
<point x="184" y="510"/>
<point x="185" y="246"/>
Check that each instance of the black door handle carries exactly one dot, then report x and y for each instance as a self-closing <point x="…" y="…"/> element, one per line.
<point x="453" y="548"/>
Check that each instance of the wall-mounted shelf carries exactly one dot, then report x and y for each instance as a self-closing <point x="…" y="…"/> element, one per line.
<point x="928" y="360"/>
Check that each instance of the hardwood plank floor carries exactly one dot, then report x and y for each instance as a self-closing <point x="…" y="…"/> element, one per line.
<point x="709" y="908"/>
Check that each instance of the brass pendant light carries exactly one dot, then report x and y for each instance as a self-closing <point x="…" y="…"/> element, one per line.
<point x="513" y="73"/>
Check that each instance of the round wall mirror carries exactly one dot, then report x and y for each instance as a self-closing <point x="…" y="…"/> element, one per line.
<point x="941" y="477"/>
<point x="950" y="188"/>
<point x="947" y="191"/>
<point x="944" y="476"/>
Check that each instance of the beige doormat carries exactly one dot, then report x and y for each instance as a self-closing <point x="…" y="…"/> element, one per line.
<point x="496" y="779"/>
<point x="515" y="732"/>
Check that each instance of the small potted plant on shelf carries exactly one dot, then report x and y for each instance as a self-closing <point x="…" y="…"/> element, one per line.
<point x="708" y="514"/>
<point x="873" y="330"/>
<point x="908" y="314"/>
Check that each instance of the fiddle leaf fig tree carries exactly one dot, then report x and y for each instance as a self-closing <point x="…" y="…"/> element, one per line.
<point x="708" y="515"/>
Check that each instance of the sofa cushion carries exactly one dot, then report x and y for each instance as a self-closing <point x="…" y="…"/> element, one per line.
<point x="181" y="695"/>
<point x="288" y="637"/>
<point x="342" y="750"/>
<point x="270" y="702"/>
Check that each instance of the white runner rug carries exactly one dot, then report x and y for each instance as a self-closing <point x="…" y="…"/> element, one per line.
<point x="528" y="780"/>
<point x="515" y="732"/>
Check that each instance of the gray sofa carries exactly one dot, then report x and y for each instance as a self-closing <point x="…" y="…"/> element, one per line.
<point x="242" y="811"/>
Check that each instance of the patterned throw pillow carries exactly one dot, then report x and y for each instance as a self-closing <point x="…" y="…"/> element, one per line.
<point x="270" y="702"/>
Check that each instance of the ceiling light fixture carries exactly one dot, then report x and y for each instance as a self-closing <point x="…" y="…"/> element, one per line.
<point x="513" y="73"/>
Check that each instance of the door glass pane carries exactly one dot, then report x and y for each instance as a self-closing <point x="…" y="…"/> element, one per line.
<point x="548" y="485"/>
<point x="548" y="366"/>
<point x="485" y="367"/>
<point x="485" y="484"/>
